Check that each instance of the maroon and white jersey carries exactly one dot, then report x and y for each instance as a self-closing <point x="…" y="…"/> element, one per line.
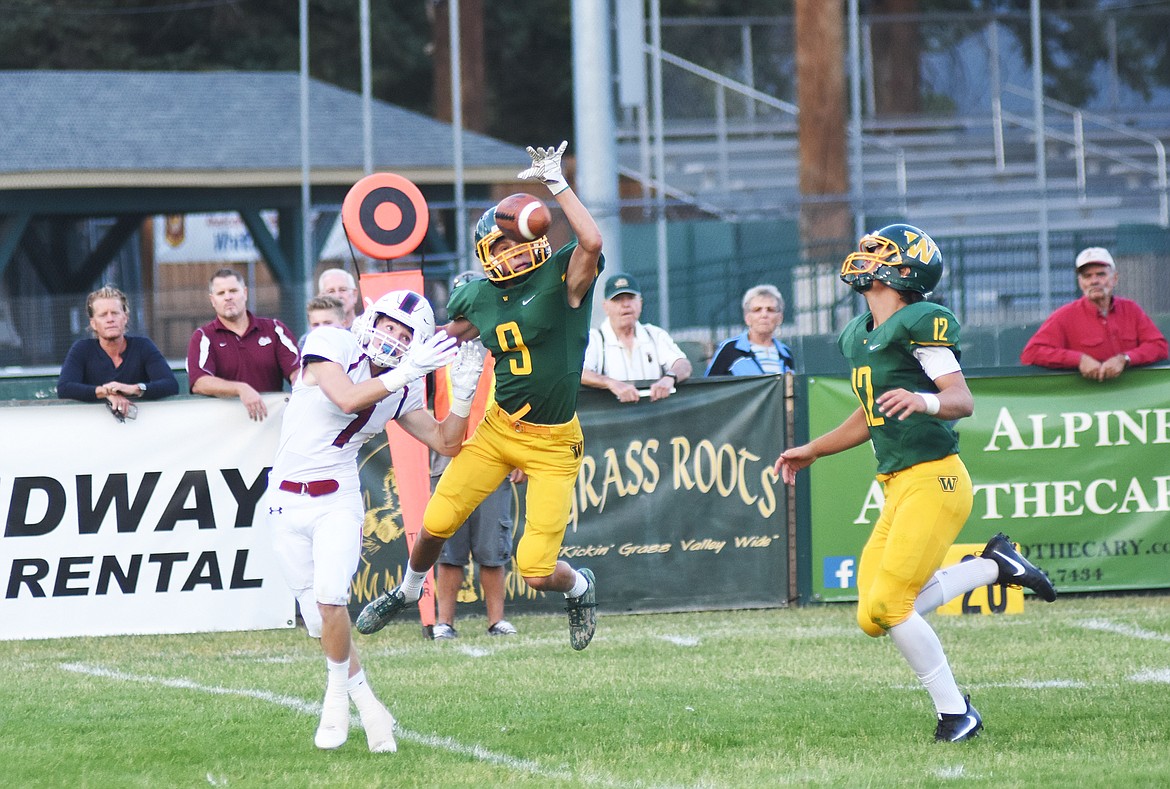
<point x="318" y="440"/>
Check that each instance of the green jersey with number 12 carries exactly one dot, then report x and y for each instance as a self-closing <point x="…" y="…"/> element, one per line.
<point x="882" y="359"/>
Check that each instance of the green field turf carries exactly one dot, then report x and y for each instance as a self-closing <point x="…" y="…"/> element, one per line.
<point x="1075" y="694"/>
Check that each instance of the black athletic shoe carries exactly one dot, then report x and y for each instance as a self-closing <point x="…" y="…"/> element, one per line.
<point x="583" y="613"/>
<point x="1015" y="570"/>
<point x="380" y="610"/>
<point x="959" y="727"/>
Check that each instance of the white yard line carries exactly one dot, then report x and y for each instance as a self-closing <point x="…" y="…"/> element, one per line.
<point x="299" y="705"/>
<point x="477" y="752"/>
<point x="1106" y="626"/>
<point x="1155" y="675"/>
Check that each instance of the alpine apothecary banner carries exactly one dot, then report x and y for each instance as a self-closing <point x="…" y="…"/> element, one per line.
<point x="676" y="505"/>
<point x="1076" y="472"/>
<point x="152" y="525"/>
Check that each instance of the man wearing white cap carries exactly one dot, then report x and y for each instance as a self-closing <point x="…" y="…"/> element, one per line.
<point x="1099" y="334"/>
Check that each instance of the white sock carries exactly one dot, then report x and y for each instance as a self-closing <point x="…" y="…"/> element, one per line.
<point x="950" y="582"/>
<point x="361" y="692"/>
<point x="919" y="645"/>
<point x="412" y="583"/>
<point x="338" y="676"/>
<point x="579" y="585"/>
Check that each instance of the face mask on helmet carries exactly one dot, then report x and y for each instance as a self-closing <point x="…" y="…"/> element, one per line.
<point x="901" y="256"/>
<point x="515" y="261"/>
<point x="403" y="306"/>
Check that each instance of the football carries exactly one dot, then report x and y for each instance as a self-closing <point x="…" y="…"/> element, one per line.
<point x="522" y="217"/>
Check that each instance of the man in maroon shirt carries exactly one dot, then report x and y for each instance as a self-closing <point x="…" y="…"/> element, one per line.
<point x="239" y="354"/>
<point x="1099" y="334"/>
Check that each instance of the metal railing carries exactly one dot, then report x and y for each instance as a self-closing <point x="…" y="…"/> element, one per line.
<point x="721" y="132"/>
<point x="1081" y="148"/>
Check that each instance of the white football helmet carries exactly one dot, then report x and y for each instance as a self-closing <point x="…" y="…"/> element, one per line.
<point x="405" y="307"/>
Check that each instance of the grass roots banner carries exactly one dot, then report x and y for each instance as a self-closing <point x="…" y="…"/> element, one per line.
<point x="676" y="506"/>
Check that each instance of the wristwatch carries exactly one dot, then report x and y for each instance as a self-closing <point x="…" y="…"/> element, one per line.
<point x="671" y="374"/>
<point x="142" y="388"/>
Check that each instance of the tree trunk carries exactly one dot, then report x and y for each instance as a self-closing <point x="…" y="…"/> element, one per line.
<point x="471" y="61"/>
<point x="822" y="125"/>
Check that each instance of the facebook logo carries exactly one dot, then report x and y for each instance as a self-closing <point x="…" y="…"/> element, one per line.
<point x="840" y="572"/>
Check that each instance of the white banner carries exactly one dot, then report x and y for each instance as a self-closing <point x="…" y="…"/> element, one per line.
<point x="223" y="237"/>
<point x="155" y="525"/>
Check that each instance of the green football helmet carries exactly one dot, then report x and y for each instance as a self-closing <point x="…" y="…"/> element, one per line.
<point x="516" y="260"/>
<point x="902" y="256"/>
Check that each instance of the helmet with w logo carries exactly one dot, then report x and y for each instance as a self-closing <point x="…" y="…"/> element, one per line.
<point x="516" y="260"/>
<point x="902" y="256"/>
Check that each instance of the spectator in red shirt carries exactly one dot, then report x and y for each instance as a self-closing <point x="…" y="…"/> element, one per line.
<point x="239" y="354"/>
<point x="1099" y="334"/>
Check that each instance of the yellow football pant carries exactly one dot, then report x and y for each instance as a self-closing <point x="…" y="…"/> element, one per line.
<point x="926" y="507"/>
<point x="550" y="455"/>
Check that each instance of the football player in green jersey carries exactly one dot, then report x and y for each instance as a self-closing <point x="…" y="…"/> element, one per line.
<point x="904" y="357"/>
<point x="533" y="313"/>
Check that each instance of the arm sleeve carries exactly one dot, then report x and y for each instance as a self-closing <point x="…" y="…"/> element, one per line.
<point x="937" y="362"/>
<point x="721" y="362"/>
<point x="1048" y="347"/>
<point x="287" y="352"/>
<point x="666" y="348"/>
<point x="459" y="304"/>
<point x="71" y="383"/>
<point x="594" y="352"/>
<point x="200" y="362"/>
<point x="325" y="343"/>
<point x="161" y="381"/>
<point x="1151" y="345"/>
<point x="787" y="360"/>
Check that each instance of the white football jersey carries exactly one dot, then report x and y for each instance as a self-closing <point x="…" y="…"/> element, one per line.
<point x="317" y="439"/>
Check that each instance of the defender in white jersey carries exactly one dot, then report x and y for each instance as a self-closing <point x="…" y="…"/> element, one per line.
<point x="351" y="385"/>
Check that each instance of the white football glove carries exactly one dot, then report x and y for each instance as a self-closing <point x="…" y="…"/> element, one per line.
<point x="466" y="369"/>
<point x="546" y="167"/>
<point x="436" y="351"/>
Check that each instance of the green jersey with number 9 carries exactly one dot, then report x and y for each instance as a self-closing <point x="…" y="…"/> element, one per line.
<point x="882" y="359"/>
<point x="537" y="340"/>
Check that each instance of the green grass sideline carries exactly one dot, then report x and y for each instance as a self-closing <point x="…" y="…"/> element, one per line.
<point x="1074" y="694"/>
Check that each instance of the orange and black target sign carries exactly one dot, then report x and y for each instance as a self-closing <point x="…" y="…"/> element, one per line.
<point x="385" y="216"/>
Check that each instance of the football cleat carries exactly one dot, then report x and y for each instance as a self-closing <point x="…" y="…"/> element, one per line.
<point x="1015" y="570"/>
<point x="583" y="613"/>
<point x="333" y="730"/>
<point x="960" y="726"/>
<point x="443" y="631"/>
<point x="502" y="628"/>
<point x="381" y="610"/>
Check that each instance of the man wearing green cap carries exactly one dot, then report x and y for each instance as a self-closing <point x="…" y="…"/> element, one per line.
<point x="624" y="351"/>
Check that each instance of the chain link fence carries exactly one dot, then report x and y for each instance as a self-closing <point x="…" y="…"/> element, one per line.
<point x="993" y="281"/>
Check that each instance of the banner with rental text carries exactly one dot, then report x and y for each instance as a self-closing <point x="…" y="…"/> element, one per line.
<point x="1076" y="472"/>
<point x="152" y="525"/>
